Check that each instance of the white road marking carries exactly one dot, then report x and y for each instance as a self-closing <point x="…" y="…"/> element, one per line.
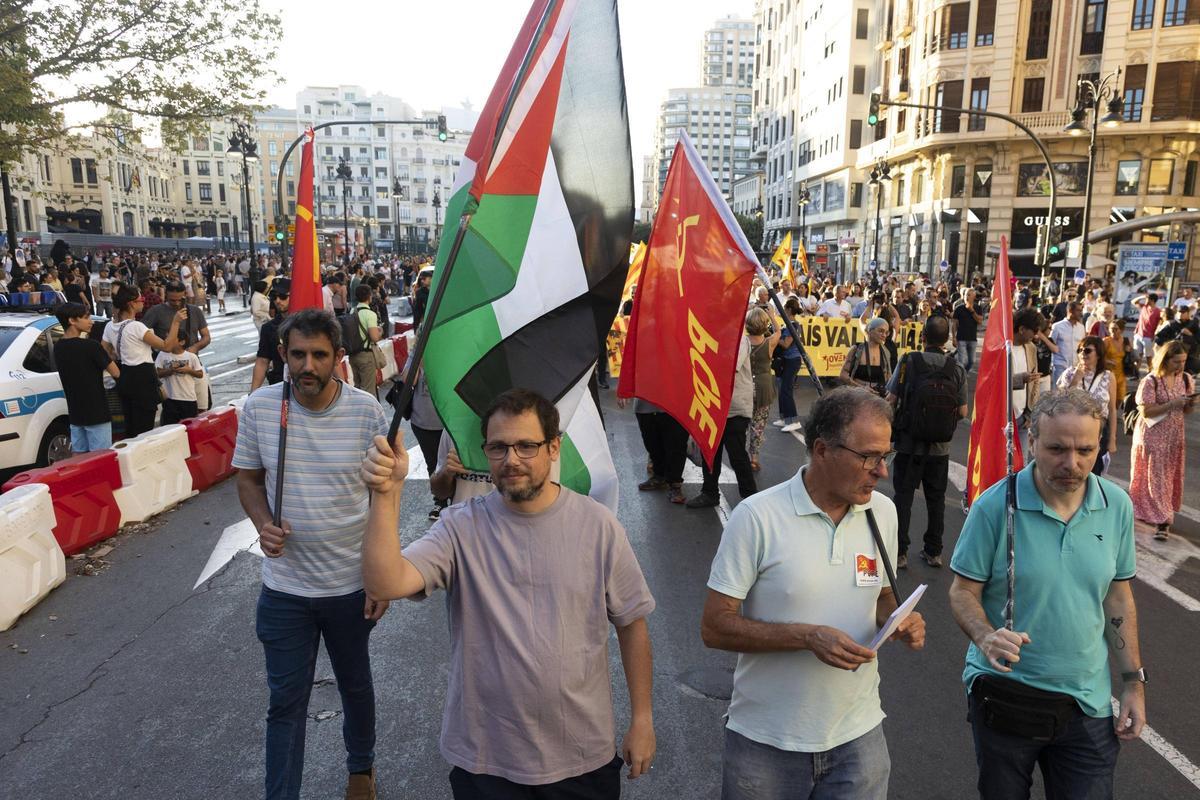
<point x="240" y="537"/>
<point x="217" y="378"/>
<point x="1165" y="749"/>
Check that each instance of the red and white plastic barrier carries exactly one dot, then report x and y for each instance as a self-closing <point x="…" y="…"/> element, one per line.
<point x="154" y="472"/>
<point x="31" y="562"/>
<point x="81" y="490"/>
<point x="211" y="439"/>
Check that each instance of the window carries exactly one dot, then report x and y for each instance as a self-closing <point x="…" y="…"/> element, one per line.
<point x="202" y="168"/>
<point x="1038" y="43"/>
<point x="221" y="192"/>
<point x="985" y="23"/>
<point x="1129" y="174"/>
<point x="1031" y="98"/>
<point x="1162" y="172"/>
<point x="1143" y="14"/>
<point x="291" y="188"/>
<point x="1181" y="12"/>
<point x="308" y="109"/>
<point x="220" y="169"/>
<point x="205" y="192"/>
<point x="860" y="26"/>
<point x="272" y="148"/>
<point x="981" y="181"/>
<point x="77" y="171"/>
<point x="187" y="192"/>
<point x="89" y="167"/>
<point x="345" y="130"/>
<point x="380" y="132"/>
<point x="918" y="187"/>
<point x="855" y="134"/>
<point x="383" y="212"/>
<point x="274" y="169"/>
<point x="979" y="100"/>
<point x="955" y="19"/>
<point x="949" y="93"/>
<point x="1094" y="12"/>
<point x="958" y="180"/>
<point x="1189" y="178"/>
<point x="1176" y="91"/>
<point x="199" y="142"/>
<point x="858" y="84"/>
<point x="1135" y="92"/>
<point x="856" y="195"/>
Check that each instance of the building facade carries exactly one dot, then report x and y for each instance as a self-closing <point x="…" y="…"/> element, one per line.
<point x="960" y="182"/>
<point x="211" y="179"/>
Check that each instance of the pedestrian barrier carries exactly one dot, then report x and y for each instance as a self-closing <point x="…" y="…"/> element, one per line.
<point x="81" y="489"/>
<point x="154" y="472"/>
<point x="211" y="439"/>
<point x="31" y="562"/>
<point x="400" y="350"/>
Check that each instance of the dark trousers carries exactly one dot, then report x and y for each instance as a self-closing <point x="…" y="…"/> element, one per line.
<point x="603" y="783"/>
<point x="787" y="385"/>
<point x="1078" y="765"/>
<point x="429" y="440"/>
<point x="733" y="443"/>
<point x="665" y="441"/>
<point x="290" y="629"/>
<point x="1098" y="467"/>
<point x="930" y="473"/>
<point x="175" y="410"/>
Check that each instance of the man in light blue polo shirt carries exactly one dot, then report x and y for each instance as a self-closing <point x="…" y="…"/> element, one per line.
<point x="796" y="589"/>
<point x="1040" y="693"/>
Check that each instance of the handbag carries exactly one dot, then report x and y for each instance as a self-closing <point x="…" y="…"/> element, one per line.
<point x="380" y="358"/>
<point x="393" y="397"/>
<point x="1016" y="709"/>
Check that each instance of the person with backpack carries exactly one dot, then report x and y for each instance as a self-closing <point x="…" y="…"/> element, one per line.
<point x="869" y="363"/>
<point x="929" y="391"/>
<point x="360" y="332"/>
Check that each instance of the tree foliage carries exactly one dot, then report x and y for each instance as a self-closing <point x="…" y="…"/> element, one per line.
<point x="752" y="226"/>
<point x="175" y="62"/>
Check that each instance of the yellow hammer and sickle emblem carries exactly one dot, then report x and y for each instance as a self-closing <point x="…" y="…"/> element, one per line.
<point x="681" y="246"/>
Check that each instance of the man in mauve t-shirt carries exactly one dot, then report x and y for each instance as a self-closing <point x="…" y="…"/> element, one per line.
<point x="534" y="574"/>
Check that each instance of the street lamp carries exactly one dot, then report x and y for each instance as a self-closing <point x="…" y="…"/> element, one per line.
<point x="241" y="144"/>
<point x="397" y="193"/>
<point x="345" y="173"/>
<point x="437" y="219"/>
<point x="1090" y="95"/>
<point x="805" y="198"/>
<point x="879" y="173"/>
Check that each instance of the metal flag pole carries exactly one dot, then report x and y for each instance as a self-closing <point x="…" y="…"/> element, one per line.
<point x="792" y="329"/>
<point x="443" y="279"/>
<point x="277" y="509"/>
<point x="1010" y="511"/>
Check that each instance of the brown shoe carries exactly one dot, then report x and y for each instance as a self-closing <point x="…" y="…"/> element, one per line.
<point x="361" y="787"/>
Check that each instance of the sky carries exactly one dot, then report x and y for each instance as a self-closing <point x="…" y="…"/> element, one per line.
<point x="434" y="54"/>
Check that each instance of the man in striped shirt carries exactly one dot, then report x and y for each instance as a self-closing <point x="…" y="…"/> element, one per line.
<point x="312" y="575"/>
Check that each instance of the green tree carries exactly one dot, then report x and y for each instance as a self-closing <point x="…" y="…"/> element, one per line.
<point x="68" y="65"/>
<point x="641" y="231"/>
<point x="752" y="226"/>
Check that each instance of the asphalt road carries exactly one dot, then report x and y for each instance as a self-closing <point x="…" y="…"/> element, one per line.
<point x="129" y="683"/>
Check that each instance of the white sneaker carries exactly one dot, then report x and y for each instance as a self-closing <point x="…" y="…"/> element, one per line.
<point x="795" y="426"/>
<point x="778" y="423"/>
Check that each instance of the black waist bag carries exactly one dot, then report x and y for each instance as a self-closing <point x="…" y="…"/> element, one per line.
<point x="1011" y="707"/>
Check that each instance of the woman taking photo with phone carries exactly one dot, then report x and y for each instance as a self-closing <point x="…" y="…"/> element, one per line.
<point x="129" y="342"/>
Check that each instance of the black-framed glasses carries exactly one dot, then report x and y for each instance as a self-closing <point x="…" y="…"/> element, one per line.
<point x="1083" y="350"/>
<point x="498" y="451"/>
<point x="872" y="461"/>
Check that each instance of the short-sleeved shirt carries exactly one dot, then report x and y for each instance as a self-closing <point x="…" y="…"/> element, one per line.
<point x="1063" y="573"/>
<point x="531" y="598"/>
<point x="964" y="316"/>
<point x="179" y="386"/>
<point x="81" y="363"/>
<point x="1066" y="335"/>
<point x="158" y="319"/>
<point x="268" y="348"/>
<point x="898" y="385"/>
<point x="128" y="342"/>
<point x="786" y="560"/>
<point x="367" y="319"/>
<point x="324" y="498"/>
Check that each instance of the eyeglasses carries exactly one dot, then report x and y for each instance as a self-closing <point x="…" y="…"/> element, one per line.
<point x="872" y="461"/>
<point x="498" y="451"/>
<point x="1083" y="350"/>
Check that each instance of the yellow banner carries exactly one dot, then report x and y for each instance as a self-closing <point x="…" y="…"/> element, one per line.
<point x="828" y="341"/>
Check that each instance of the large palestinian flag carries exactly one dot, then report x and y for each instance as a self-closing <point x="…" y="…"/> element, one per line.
<point x="547" y="182"/>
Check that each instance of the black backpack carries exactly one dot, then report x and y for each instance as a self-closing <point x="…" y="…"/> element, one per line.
<point x="354" y="338"/>
<point x="929" y="409"/>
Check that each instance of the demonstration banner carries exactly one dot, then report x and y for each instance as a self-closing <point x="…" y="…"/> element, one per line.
<point x="829" y="340"/>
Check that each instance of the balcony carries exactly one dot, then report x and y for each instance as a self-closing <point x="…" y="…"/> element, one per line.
<point x="1045" y="121"/>
<point x="419" y="160"/>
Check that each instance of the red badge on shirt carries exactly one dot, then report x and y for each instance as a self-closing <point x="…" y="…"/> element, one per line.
<point x="866" y="570"/>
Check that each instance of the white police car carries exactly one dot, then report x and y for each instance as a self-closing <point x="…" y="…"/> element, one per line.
<point x="33" y="411"/>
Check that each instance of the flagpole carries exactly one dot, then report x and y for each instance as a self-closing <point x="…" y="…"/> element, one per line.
<point x="791" y="326"/>
<point x="1010" y="516"/>
<point x="277" y="510"/>
<point x="443" y="279"/>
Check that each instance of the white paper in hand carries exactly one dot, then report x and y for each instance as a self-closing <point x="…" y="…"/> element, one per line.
<point x="898" y="616"/>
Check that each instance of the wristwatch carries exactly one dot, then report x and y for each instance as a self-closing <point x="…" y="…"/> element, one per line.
<point x="1139" y="675"/>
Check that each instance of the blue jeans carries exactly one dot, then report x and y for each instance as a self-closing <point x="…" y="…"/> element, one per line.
<point x="787" y="384"/>
<point x="290" y="629"/>
<point x="964" y="352"/>
<point x="1078" y="765"/>
<point x="856" y="770"/>
<point x="86" y="438"/>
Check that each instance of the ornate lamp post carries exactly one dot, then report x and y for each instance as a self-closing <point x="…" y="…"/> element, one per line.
<point x="345" y="174"/>
<point x="240" y="143"/>
<point x="879" y="173"/>
<point x="804" y="199"/>
<point x="437" y="219"/>
<point x="1091" y="95"/>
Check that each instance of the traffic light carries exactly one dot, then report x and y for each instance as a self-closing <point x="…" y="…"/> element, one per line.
<point x="443" y="133"/>
<point x="873" y="111"/>
<point x="1041" y="252"/>
<point x="279" y="236"/>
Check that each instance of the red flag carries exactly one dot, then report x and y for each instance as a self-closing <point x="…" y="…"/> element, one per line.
<point x="306" y="260"/>
<point x="987" y="458"/>
<point x="686" y="328"/>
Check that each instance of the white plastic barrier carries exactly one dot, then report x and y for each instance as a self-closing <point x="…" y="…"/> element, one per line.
<point x="31" y="562"/>
<point x="389" y="358"/>
<point x="154" y="473"/>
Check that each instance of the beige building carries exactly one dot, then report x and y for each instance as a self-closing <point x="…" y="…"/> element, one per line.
<point x="275" y="130"/>
<point x="213" y="201"/>
<point x="959" y="183"/>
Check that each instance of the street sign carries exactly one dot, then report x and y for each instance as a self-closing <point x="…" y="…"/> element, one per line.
<point x="874" y="264"/>
<point x="1080" y="276"/>
<point x="1176" y="251"/>
<point x="944" y="266"/>
<point x="1137" y="257"/>
<point x="292" y="228"/>
<point x="271" y="230"/>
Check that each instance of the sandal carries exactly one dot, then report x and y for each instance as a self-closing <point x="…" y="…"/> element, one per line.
<point x="1160" y="533"/>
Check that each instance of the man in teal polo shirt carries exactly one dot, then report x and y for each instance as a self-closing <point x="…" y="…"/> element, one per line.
<point x="1040" y="694"/>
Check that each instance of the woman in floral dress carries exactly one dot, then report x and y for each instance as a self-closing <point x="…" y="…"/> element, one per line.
<point x="1156" y="472"/>
<point x="1090" y="374"/>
